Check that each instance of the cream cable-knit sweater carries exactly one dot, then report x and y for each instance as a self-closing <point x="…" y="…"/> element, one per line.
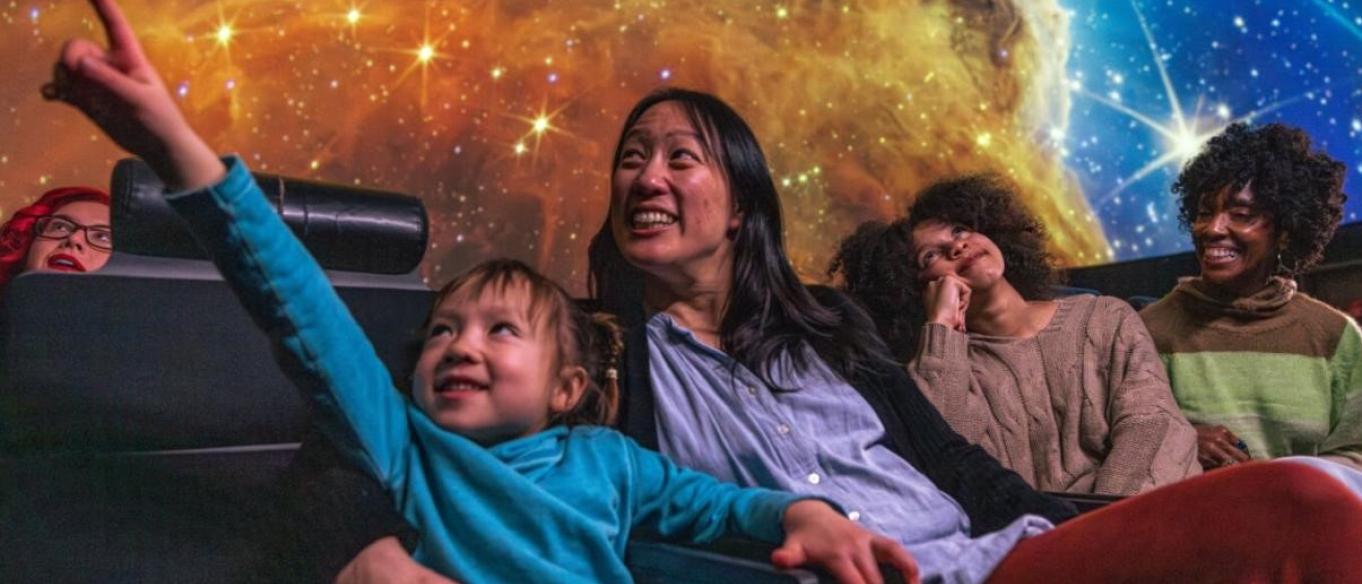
<point x="1083" y="406"/>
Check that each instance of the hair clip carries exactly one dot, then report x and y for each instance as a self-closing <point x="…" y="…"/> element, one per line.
<point x="612" y="373"/>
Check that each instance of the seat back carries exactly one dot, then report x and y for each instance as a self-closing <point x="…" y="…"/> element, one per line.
<point x="144" y="423"/>
<point x="108" y="363"/>
<point x="345" y="227"/>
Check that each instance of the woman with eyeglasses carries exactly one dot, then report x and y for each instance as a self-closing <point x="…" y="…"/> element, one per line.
<point x="65" y="230"/>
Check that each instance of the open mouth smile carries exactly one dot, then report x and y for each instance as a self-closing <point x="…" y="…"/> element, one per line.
<point x="457" y="385"/>
<point x="1219" y="255"/>
<point x="651" y="219"/>
<point x="65" y="263"/>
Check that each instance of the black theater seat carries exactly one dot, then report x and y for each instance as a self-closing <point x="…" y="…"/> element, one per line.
<point x="144" y="424"/>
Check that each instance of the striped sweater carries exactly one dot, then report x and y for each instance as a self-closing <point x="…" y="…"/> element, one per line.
<point x="1278" y="368"/>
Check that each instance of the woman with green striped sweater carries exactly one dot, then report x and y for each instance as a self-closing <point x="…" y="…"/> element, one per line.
<point x="1261" y="369"/>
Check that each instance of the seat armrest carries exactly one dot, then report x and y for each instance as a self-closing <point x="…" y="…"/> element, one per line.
<point x="725" y="560"/>
<point x="1086" y="501"/>
<point x="663" y="563"/>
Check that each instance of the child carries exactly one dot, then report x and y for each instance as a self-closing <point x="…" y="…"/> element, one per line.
<point x="487" y="458"/>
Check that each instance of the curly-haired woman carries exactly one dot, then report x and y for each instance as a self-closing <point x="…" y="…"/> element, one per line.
<point x="65" y="230"/>
<point x="1261" y="369"/>
<point x="1068" y="392"/>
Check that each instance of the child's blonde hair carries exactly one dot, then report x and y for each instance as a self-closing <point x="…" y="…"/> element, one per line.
<point x="593" y="341"/>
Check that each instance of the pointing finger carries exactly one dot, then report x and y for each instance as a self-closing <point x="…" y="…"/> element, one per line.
<point x="120" y="33"/>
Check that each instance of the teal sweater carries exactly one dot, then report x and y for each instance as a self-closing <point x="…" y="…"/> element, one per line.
<point x="557" y="506"/>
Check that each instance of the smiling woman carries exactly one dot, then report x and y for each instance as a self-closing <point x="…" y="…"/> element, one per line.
<point x="660" y="153"/>
<point x="65" y="230"/>
<point x="1262" y="370"/>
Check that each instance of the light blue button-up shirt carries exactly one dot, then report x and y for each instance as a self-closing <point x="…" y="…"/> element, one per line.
<point x="817" y="436"/>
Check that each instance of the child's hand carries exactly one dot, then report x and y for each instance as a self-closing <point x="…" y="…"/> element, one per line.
<point x="121" y="92"/>
<point x="815" y="533"/>
<point x="387" y="561"/>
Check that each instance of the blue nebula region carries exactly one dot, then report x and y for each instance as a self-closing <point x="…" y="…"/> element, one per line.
<point x="1152" y="81"/>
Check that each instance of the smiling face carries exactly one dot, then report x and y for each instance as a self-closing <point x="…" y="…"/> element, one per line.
<point x="671" y="208"/>
<point x="946" y="248"/>
<point x="489" y="369"/>
<point x="63" y="246"/>
<point x="1236" y="241"/>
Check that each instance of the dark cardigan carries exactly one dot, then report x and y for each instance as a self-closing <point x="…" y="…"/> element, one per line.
<point x="341" y="510"/>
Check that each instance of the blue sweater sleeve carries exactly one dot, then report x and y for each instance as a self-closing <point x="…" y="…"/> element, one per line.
<point x="681" y="504"/>
<point x="290" y="298"/>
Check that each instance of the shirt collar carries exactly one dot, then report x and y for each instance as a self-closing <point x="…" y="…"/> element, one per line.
<point x="662" y="327"/>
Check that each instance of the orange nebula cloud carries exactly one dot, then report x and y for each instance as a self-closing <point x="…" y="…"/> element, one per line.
<point x="502" y="115"/>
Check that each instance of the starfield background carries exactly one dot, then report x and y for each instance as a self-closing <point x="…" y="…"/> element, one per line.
<point x="501" y="115"/>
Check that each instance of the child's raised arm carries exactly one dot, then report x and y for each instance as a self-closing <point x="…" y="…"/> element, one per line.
<point x="271" y="272"/>
<point x="121" y="92"/>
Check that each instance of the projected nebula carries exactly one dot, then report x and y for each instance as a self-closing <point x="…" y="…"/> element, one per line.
<point x="502" y="115"/>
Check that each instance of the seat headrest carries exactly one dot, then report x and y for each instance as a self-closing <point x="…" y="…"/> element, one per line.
<point x="345" y="228"/>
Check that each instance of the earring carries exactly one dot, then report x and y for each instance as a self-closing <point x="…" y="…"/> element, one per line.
<point x="1282" y="268"/>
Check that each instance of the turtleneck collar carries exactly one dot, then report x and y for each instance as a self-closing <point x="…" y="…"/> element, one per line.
<point x="1276" y="293"/>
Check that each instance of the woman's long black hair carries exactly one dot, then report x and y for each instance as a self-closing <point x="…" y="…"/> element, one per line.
<point x="768" y="311"/>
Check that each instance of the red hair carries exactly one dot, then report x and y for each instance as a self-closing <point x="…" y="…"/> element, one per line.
<point x="16" y="235"/>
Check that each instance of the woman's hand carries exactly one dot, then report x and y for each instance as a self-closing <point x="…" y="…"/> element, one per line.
<point x="815" y="533"/>
<point x="1216" y="446"/>
<point x="386" y="560"/>
<point x="121" y="92"/>
<point x="946" y="299"/>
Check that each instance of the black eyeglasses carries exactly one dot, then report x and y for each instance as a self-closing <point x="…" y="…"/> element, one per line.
<point x="57" y="227"/>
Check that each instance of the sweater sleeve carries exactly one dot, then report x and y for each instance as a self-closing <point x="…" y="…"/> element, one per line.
<point x="325" y="351"/>
<point x="941" y="369"/>
<point x="1151" y="442"/>
<point x="682" y="504"/>
<point x="1344" y="442"/>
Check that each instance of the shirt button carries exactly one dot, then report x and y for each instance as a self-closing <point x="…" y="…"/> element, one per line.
<point x="783" y="429"/>
<point x="854" y="516"/>
<point x="814" y="478"/>
<point x="751" y="390"/>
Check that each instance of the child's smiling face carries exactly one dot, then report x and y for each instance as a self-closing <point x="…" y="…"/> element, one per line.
<point x="489" y="369"/>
